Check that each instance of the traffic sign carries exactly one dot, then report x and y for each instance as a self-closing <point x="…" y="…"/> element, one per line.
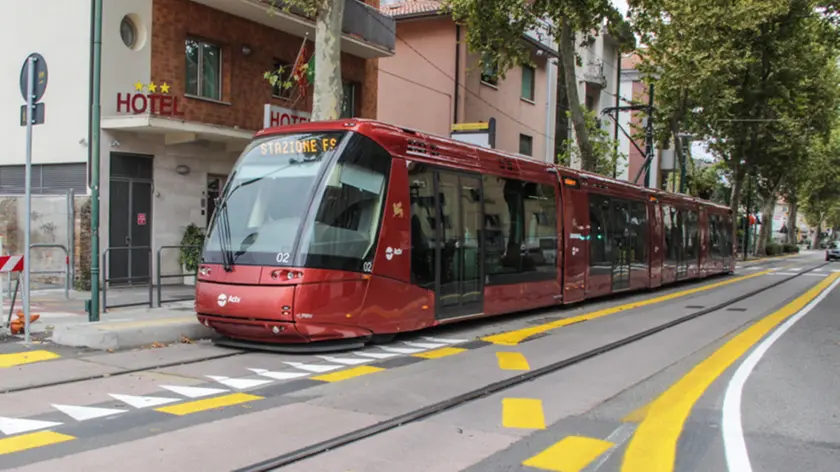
<point x="38" y="114"/>
<point x="41" y="77"/>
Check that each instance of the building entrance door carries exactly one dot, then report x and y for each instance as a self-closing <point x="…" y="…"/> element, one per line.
<point x="130" y="217"/>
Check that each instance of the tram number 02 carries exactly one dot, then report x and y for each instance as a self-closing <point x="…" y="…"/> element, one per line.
<point x="282" y="257"/>
<point x="367" y="266"/>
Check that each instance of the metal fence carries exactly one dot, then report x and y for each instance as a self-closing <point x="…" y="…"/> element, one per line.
<point x="160" y="276"/>
<point x="106" y="281"/>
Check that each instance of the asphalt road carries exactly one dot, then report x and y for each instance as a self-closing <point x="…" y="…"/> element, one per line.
<point x="654" y="404"/>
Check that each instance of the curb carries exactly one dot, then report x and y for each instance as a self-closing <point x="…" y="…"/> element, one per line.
<point x="127" y="335"/>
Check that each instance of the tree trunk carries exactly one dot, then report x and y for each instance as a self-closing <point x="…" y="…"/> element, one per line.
<point x="766" y="225"/>
<point x="328" y="91"/>
<point x="567" y="55"/>
<point x="735" y="201"/>
<point x="790" y="237"/>
<point x="815" y="242"/>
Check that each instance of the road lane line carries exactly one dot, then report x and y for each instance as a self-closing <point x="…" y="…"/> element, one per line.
<point x="438" y="353"/>
<point x="20" y="358"/>
<point x="523" y="413"/>
<point x="618" y="438"/>
<point x="196" y="406"/>
<point x="570" y="454"/>
<point x="512" y="338"/>
<point x="653" y="446"/>
<point x="512" y="361"/>
<point x="737" y="458"/>
<point x="31" y="441"/>
<point x="348" y="373"/>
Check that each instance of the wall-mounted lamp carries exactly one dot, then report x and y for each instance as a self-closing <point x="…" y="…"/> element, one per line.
<point x="182" y="170"/>
<point x="246" y="50"/>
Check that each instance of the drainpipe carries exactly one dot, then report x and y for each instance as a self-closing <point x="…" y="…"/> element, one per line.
<point x="549" y="111"/>
<point x="457" y="69"/>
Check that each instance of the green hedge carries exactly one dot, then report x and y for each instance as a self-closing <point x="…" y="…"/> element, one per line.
<point x="776" y="249"/>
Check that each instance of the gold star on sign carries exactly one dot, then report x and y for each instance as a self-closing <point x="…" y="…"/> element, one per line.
<point x="138" y="86"/>
<point x="152" y="87"/>
<point x="164" y="88"/>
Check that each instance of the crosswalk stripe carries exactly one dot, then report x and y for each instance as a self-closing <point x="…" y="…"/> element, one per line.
<point x="15" y="425"/>
<point x="142" y="402"/>
<point x="317" y="368"/>
<point x="193" y="392"/>
<point x="344" y="360"/>
<point x="279" y="375"/>
<point x="239" y="383"/>
<point x="444" y="340"/>
<point x="377" y="355"/>
<point x="82" y="413"/>
<point x="424" y="345"/>
<point x="401" y="350"/>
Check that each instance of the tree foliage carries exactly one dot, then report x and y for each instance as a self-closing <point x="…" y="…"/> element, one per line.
<point x="495" y="29"/>
<point x="604" y="150"/>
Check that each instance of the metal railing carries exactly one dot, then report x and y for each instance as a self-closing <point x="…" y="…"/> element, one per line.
<point x="160" y="299"/>
<point x="67" y="279"/>
<point x="130" y="278"/>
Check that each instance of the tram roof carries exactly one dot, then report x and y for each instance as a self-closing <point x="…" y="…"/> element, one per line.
<point x="423" y="146"/>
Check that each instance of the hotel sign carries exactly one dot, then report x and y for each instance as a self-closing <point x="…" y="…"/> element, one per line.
<point x="151" y="98"/>
<point x="279" y="116"/>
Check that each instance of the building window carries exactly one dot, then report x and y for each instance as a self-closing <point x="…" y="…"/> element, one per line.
<point x="526" y="145"/>
<point x="204" y="69"/>
<point x="528" y="75"/>
<point x="277" y="90"/>
<point x="348" y="100"/>
<point x="128" y="32"/>
<point x="489" y="71"/>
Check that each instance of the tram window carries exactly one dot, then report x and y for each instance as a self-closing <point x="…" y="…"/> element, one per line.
<point x="638" y="221"/>
<point x="541" y="226"/>
<point x="503" y="235"/>
<point x="345" y="228"/>
<point x="667" y="228"/>
<point x="423" y="237"/>
<point x="691" y="235"/>
<point x="599" y="234"/>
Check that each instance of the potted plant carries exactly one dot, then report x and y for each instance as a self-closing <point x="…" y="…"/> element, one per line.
<point x="192" y="243"/>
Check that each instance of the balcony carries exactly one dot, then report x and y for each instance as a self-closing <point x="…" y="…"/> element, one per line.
<point x="367" y="32"/>
<point x="593" y="73"/>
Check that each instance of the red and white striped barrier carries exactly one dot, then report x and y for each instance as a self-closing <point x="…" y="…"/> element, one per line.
<point x="11" y="264"/>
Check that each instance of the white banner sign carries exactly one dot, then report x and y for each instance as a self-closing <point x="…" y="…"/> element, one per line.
<point x="279" y="116"/>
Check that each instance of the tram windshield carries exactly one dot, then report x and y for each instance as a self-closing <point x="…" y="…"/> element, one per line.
<point x="290" y="201"/>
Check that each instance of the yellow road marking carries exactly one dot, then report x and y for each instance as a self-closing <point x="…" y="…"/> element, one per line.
<point x="349" y="373"/>
<point x="570" y="454"/>
<point x="31" y="441"/>
<point x="512" y="338"/>
<point x="442" y="352"/>
<point x="208" y="404"/>
<point x="20" y="358"/>
<point x="512" y="361"/>
<point x="653" y="446"/>
<point x="637" y="415"/>
<point x="525" y="413"/>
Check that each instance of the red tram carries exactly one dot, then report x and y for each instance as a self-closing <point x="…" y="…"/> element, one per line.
<point x="356" y="230"/>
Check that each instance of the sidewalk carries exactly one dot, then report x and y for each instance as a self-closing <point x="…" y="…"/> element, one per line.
<point x="65" y="322"/>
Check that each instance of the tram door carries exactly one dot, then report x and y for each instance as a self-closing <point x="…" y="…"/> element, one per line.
<point x="459" y="279"/>
<point x="446" y="216"/>
<point x="623" y="244"/>
<point x="682" y="234"/>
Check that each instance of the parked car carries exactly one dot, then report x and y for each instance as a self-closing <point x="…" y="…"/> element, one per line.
<point x="832" y="251"/>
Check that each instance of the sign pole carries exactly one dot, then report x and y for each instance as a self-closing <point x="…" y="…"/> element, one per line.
<point x="96" y="75"/>
<point x="30" y="118"/>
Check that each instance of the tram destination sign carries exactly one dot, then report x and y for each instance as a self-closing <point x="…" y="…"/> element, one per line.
<point x="298" y="146"/>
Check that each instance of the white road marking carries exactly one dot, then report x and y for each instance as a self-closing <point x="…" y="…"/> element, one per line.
<point x="238" y="383"/>
<point x="377" y="355"/>
<point x="401" y="350"/>
<point x="617" y="437"/>
<point x="344" y="360"/>
<point x="811" y="274"/>
<point x="193" y="392"/>
<point x="444" y="340"/>
<point x="795" y="269"/>
<point x="737" y="458"/>
<point x="142" y="402"/>
<point x="279" y="375"/>
<point x="82" y="413"/>
<point x="783" y="273"/>
<point x="818" y="270"/>
<point x="13" y="425"/>
<point x="751" y="268"/>
<point x="424" y="345"/>
<point x="317" y="368"/>
<point x="835" y="270"/>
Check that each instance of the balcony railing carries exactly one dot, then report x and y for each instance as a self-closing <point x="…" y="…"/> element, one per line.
<point x="593" y="73"/>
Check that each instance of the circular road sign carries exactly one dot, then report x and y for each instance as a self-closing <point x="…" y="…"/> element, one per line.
<point x="41" y="76"/>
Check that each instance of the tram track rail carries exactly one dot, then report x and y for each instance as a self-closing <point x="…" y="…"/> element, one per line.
<point x="360" y="434"/>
